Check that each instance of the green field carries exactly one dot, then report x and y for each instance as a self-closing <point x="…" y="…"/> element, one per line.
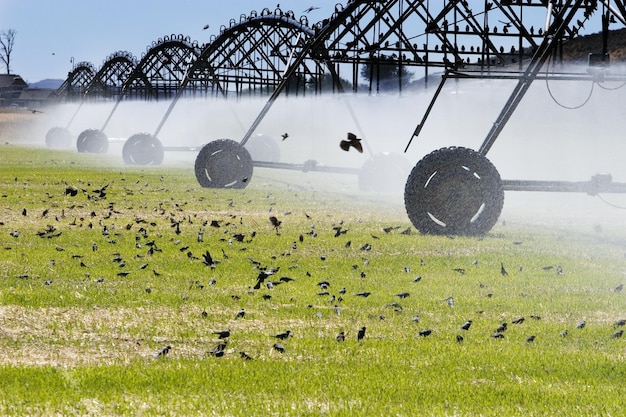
<point x="104" y="265"/>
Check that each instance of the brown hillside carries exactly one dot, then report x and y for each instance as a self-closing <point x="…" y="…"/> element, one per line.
<point x="579" y="48"/>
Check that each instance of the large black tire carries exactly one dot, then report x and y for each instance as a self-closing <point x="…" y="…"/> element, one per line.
<point x="263" y="148"/>
<point x="143" y="149"/>
<point x="59" y="138"/>
<point x="92" y="141"/>
<point x="223" y="163"/>
<point x="384" y="173"/>
<point x="454" y="191"/>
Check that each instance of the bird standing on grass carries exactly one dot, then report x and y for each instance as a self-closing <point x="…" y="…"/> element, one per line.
<point x="361" y="334"/>
<point x="163" y="352"/>
<point x="222" y="334"/>
<point x="284" y="335"/>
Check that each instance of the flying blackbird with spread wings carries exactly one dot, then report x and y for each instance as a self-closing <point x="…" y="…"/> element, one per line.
<point x="351" y="142"/>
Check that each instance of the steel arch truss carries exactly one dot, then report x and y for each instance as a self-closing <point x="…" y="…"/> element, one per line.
<point x="252" y="56"/>
<point x="78" y="80"/>
<point x="162" y="69"/>
<point x="111" y="76"/>
<point x="452" y="35"/>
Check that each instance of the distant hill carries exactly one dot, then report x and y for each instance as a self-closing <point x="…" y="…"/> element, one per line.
<point x="578" y="49"/>
<point x="47" y="83"/>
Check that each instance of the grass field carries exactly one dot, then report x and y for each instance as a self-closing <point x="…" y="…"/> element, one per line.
<point x="104" y="266"/>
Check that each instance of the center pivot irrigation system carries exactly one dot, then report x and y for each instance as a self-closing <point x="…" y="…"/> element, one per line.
<point x="453" y="190"/>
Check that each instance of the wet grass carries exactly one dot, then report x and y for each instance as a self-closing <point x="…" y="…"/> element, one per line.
<point x="94" y="285"/>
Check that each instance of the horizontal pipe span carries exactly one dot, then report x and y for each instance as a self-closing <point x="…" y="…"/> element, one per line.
<point x="182" y="148"/>
<point x="307" y="166"/>
<point x="597" y="185"/>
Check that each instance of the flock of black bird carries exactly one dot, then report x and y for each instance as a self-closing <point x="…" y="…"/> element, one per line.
<point x="268" y="278"/>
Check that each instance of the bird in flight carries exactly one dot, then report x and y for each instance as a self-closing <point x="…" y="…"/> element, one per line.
<point x="353" y="142"/>
<point x="205" y="27"/>
<point x="310" y="9"/>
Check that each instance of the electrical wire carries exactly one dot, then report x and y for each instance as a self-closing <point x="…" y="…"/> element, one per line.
<point x="609" y="203"/>
<point x="553" y="97"/>
<point x="612" y="88"/>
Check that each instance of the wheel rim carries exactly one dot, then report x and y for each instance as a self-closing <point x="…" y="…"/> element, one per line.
<point x="454" y="191"/>
<point x="223" y="163"/>
<point x="384" y="173"/>
<point x="92" y="141"/>
<point x="58" y="138"/>
<point x="143" y="149"/>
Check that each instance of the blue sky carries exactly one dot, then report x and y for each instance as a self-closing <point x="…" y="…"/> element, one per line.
<point x="50" y="33"/>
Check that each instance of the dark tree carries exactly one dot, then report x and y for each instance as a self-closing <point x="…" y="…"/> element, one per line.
<point x="386" y="73"/>
<point x="7" y="40"/>
<point x="326" y="83"/>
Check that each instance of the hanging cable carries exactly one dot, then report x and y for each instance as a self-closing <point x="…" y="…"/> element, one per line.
<point x="552" y="96"/>
<point x="609" y="203"/>
<point x="612" y="88"/>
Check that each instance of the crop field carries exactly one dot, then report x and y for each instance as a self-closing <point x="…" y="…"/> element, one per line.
<point x="134" y="291"/>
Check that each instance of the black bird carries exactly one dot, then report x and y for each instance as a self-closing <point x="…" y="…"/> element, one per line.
<point x="164" y="351"/>
<point x="364" y="294"/>
<point x="581" y="325"/>
<point x="240" y="314"/>
<point x="353" y="142"/>
<point x="341" y="337"/>
<point x="218" y="350"/>
<point x="279" y="348"/>
<point x="459" y="338"/>
<point x="285" y="135"/>
<point x="617" y="334"/>
<point x="619" y="288"/>
<point x="275" y="222"/>
<point x="205" y="27"/>
<point x="425" y="332"/>
<point x="619" y="323"/>
<point x="208" y="259"/>
<point x="403" y="294"/>
<point x="310" y="9"/>
<point x="502" y="328"/>
<point x="497" y="335"/>
<point x="502" y="270"/>
<point x="284" y="335"/>
<point x="361" y="334"/>
<point x="222" y="334"/>
<point x="245" y="356"/>
<point x="530" y="339"/>
<point x="466" y="325"/>
<point x="518" y="320"/>
<point x="263" y="275"/>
